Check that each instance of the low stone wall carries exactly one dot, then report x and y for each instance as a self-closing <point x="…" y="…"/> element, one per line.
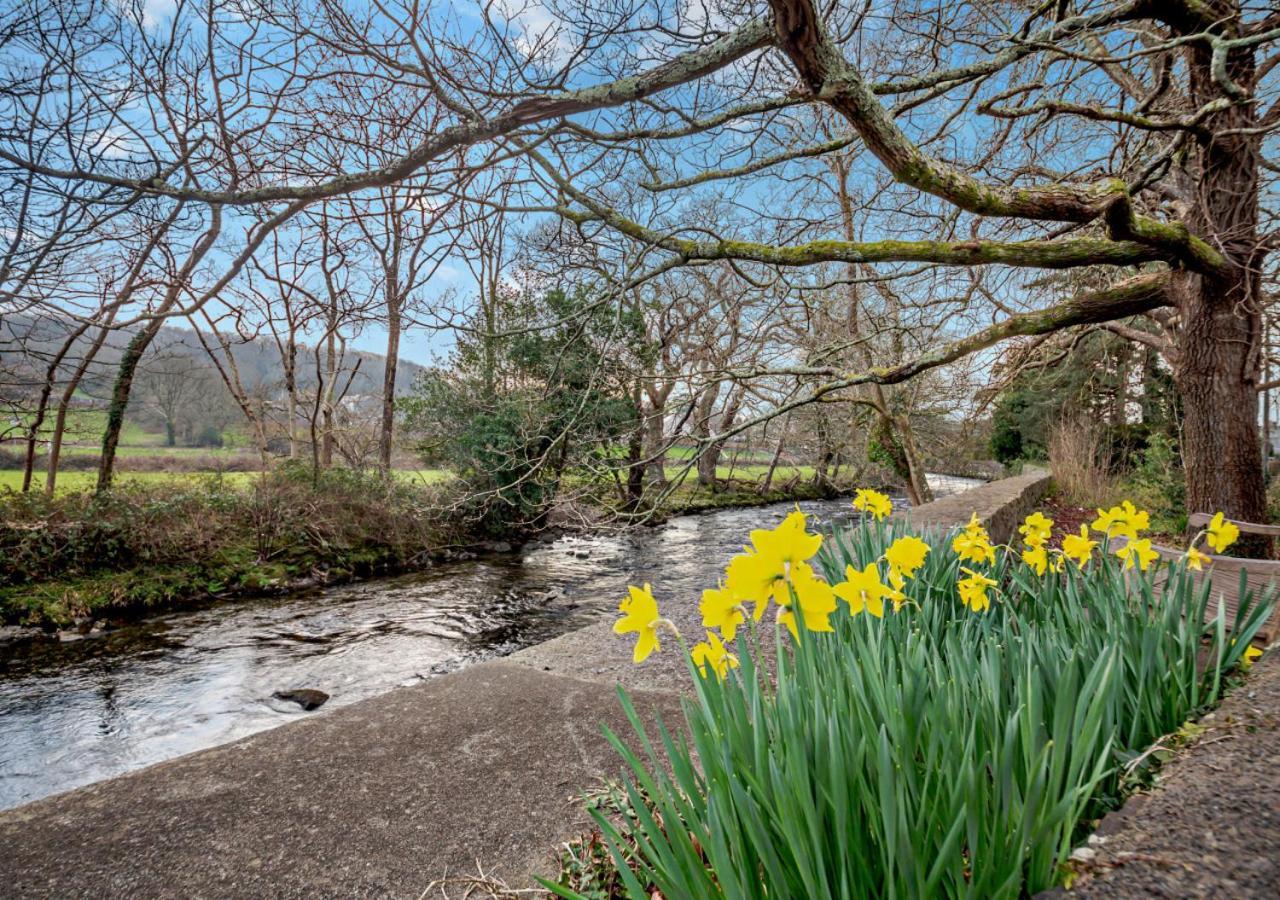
<point x="1001" y="505"/>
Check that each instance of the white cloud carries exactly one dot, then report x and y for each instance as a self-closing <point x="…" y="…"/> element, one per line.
<point x="110" y="143"/>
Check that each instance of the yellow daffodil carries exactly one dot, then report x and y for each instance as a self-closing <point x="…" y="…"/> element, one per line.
<point x="1078" y="547"/>
<point x="1037" y="557"/>
<point x="712" y="658"/>
<point x="862" y="590"/>
<point x="1221" y="533"/>
<point x="1035" y="529"/>
<point x="1124" y="520"/>
<point x="906" y="555"/>
<point x="1250" y="654"/>
<point x="640" y="615"/>
<point x="974" y="527"/>
<point x="1196" y="560"/>
<point x="816" y="601"/>
<point x="873" y="502"/>
<point x="721" y="609"/>
<point x="898" y="583"/>
<point x="1138" y="553"/>
<point x="974" y="547"/>
<point x="973" y="590"/>
<point x="777" y="557"/>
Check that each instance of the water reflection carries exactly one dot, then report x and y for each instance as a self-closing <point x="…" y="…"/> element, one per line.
<point x="76" y="713"/>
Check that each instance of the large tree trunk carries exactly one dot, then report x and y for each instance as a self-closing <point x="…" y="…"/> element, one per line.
<point x="706" y="462"/>
<point x="1219" y="348"/>
<point x="1217" y="374"/>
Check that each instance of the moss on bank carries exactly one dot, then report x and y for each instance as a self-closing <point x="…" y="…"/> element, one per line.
<point x="146" y="549"/>
<point x="138" y="591"/>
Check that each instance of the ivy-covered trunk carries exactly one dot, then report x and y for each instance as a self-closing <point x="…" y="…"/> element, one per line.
<point x="120" y="392"/>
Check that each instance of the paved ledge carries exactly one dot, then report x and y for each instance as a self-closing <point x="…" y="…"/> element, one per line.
<point x="1001" y="505"/>
<point x="372" y="800"/>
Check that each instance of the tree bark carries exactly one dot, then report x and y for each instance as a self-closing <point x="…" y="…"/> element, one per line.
<point x="1217" y="357"/>
<point x="120" y="392"/>
<point x="389" y="384"/>
<point x="64" y="403"/>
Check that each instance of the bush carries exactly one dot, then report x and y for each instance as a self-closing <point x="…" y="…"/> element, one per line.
<point x="1159" y="483"/>
<point x="932" y="752"/>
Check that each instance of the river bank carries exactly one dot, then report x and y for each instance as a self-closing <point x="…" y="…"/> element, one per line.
<point x="92" y="591"/>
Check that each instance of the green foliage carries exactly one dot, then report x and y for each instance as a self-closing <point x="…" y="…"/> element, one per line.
<point x="932" y="753"/>
<point x="538" y="392"/>
<point x="1096" y="380"/>
<point x="1008" y="424"/>
<point x="1158" y="484"/>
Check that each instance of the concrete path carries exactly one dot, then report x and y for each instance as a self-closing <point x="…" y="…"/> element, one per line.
<point x="380" y="798"/>
<point x="1212" y="826"/>
<point x="376" y="799"/>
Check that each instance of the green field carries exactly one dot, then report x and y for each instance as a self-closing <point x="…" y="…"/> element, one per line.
<point x="70" y="482"/>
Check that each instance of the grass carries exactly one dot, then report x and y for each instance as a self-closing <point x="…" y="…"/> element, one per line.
<point x="70" y="482"/>
<point x="86" y="426"/>
<point x="161" y="541"/>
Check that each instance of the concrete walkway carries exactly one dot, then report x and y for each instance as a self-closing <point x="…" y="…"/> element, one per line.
<point x="376" y="799"/>
<point x="380" y="798"/>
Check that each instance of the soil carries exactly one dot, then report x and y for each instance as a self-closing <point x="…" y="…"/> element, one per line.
<point x="1067" y="519"/>
<point x="1211" y="826"/>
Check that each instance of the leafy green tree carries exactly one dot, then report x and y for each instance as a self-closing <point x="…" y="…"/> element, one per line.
<point x="1104" y="378"/>
<point x="543" y="392"/>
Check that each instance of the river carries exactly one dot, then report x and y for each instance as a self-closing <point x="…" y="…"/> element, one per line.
<point x="75" y="713"/>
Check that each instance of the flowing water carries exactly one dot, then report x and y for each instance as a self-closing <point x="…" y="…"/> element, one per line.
<point x="75" y="713"/>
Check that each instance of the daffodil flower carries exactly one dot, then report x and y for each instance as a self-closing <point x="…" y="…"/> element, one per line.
<point x="816" y="602"/>
<point x="1195" y="559"/>
<point x="1137" y="553"/>
<point x="1221" y="533"/>
<point x="1078" y="547"/>
<point x="1036" y="529"/>
<point x="974" y="547"/>
<point x="862" y="590"/>
<point x="874" y="502"/>
<point x="640" y="615"/>
<point x="1037" y="557"/>
<point x="777" y="558"/>
<point x="722" y="609"/>
<point x="712" y="658"/>
<point x="906" y="555"/>
<point x="1125" y="520"/>
<point x="973" y="590"/>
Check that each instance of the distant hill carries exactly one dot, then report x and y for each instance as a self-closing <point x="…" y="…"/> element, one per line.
<point x="258" y="360"/>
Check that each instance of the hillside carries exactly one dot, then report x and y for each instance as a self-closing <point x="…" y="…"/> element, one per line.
<point x="258" y="359"/>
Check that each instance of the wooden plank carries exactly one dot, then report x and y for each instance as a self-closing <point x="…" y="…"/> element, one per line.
<point x="1200" y="520"/>
<point x="1224" y="573"/>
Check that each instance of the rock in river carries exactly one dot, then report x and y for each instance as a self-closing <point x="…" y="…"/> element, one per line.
<point x="307" y="698"/>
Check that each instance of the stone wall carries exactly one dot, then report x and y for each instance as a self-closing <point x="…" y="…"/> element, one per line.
<point x="1001" y="505"/>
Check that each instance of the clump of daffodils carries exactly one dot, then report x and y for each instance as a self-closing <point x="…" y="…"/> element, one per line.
<point x="776" y="571"/>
